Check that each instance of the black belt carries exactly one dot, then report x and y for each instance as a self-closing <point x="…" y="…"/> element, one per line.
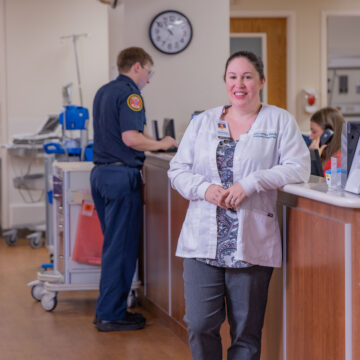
<point x="118" y="163"/>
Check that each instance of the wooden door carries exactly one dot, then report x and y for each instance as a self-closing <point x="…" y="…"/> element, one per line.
<point x="275" y="29"/>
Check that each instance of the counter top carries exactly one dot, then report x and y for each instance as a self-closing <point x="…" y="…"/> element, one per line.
<point x="317" y="189"/>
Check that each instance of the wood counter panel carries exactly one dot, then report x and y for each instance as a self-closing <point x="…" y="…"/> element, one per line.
<point x="315" y="287"/>
<point x="344" y="215"/>
<point x="156" y="234"/>
<point x="356" y="285"/>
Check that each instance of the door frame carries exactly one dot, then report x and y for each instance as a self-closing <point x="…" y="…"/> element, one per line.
<point x="323" y="57"/>
<point x="4" y="195"/>
<point x="290" y="48"/>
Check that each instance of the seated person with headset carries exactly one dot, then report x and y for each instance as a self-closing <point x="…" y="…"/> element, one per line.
<point x="326" y="127"/>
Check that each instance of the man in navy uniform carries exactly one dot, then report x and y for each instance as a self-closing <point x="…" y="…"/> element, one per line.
<point x="116" y="186"/>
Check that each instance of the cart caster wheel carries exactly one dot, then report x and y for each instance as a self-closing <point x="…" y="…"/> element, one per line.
<point x="131" y="299"/>
<point x="49" y="302"/>
<point x="36" y="243"/>
<point x="35" y="240"/>
<point x="10" y="237"/>
<point x="36" y="292"/>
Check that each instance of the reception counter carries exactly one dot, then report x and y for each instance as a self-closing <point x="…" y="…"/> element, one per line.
<point x="313" y="309"/>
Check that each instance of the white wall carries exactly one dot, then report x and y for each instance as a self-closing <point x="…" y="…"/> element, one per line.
<point x="117" y="34"/>
<point x="36" y="65"/>
<point x="190" y="80"/>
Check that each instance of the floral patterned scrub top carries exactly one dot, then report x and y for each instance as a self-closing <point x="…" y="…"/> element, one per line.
<point x="227" y="221"/>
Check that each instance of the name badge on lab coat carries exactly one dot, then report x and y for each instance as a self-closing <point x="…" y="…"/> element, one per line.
<point x="223" y="130"/>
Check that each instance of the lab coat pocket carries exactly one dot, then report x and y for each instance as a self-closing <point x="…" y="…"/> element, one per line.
<point x="191" y="228"/>
<point x="259" y="229"/>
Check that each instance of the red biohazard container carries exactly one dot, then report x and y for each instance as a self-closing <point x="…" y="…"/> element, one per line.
<point x="89" y="237"/>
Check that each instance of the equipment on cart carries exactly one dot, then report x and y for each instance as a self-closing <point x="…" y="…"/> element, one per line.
<point x="48" y="131"/>
<point x="31" y="185"/>
<point x="73" y="120"/>
<point x="71" y="145"/>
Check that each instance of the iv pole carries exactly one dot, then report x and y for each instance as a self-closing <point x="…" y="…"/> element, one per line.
<point x="84" y="132"/>
<point x="75" y="38"/>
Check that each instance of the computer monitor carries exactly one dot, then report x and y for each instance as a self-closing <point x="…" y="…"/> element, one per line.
<point x="50" y="125"/>
<point x="349" y="140"/>
<point x="316" y="166"/>
<point x="155" y="129"/>
<point x="169" y="128"/>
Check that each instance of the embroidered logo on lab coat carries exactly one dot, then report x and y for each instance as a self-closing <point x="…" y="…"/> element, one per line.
<point x="134" y="102"/>
<point x="266" y="135"/>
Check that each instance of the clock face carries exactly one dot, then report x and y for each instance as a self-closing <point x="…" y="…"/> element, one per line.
<point x="170" y="32"/>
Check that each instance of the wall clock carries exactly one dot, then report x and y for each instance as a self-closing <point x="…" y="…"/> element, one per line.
<point x="170" y="32"/>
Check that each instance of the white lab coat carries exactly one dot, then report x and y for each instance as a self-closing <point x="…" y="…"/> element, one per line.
<point x="269" y="156"/>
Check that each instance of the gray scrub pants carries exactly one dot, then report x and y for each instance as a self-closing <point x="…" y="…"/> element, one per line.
<point x="245" y="291"/>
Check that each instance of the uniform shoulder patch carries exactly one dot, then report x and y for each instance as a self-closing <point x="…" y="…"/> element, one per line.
<point x="134" y="102"/>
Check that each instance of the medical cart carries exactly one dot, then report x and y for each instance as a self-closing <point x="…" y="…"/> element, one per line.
<point x="71" y="187"/>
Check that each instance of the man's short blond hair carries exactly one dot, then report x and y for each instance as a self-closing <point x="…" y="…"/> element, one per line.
<point x="129" y="56"/>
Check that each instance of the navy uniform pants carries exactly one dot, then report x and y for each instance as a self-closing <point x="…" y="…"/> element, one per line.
<point x="117" y="194"/>
<point x="208" y="290"/>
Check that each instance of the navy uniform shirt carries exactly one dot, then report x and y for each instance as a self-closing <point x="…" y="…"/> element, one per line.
<point x="118" y="107"/>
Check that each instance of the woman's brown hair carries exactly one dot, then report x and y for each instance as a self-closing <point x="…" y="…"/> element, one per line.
<point x="330" y="118"/>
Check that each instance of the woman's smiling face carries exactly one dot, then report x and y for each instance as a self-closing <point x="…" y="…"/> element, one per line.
<point x="243" y="83"/>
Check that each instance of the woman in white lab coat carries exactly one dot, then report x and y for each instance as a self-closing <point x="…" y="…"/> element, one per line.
<point x="230" y="163"/>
